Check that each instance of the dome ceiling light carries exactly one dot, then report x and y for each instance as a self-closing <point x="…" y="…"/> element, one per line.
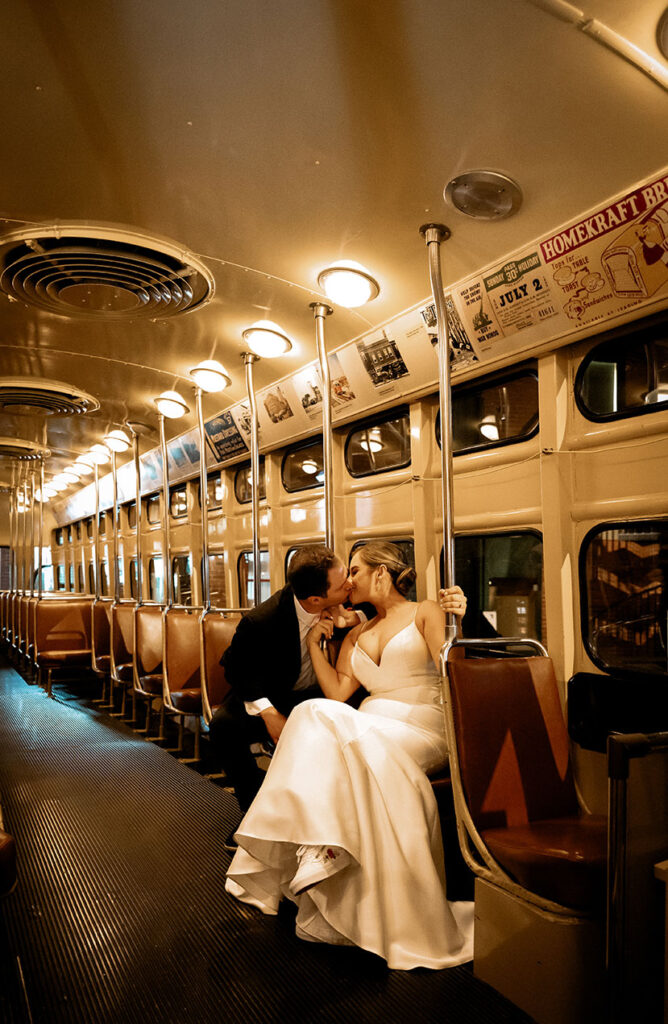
<point x="171" y="405"/>
<point x="210" y="376"/>
<point x="117" y="441"/>
<point x="484" y="195"/>
<point x="266" y="339"/>
<point x="348" y="283"/>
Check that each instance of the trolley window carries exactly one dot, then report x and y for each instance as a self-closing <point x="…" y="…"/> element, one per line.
<point x="71" y="577"/>
<point x="246" y="577"/>
<point x="156" y="579"/>
<point x="131" y="508"/>
<point x="182" y="579"/>
<point x="625" y="376"/>
<point x="214" y="491"/>
<point x="121" y="576"/>
<point x="302" y="467"/>
<point x="407" y="548"/>
<point x="153" y="509"/>
<point x="91" y="578"/>
<point x="104" y="579"/>
<point x="178" y="502"/>
<point x="217" y="588"/>
<point x="623" y="571"/>
<point x="102" y="529"/>
<point x="60" y="577"/>
<point x="379" y="445"/>
<point x="77" y="528"/>
<point x="69" y="534"/>
<point x="80" y="575"/>
<point x="494" y="412"/>
<point x="242" y="483"/>
<point x="89" y="527"/>
<point x="134" y="582"/>
<point x="502" y="577"/>
<point x="59" y="536"/>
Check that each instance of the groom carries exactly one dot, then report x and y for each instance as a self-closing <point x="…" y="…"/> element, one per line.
<point x="268" y="665"/>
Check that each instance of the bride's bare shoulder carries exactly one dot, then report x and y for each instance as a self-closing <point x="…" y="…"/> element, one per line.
<point x="428" y="611"/>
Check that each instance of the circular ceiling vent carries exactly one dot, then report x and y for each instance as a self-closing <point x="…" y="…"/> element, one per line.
<point x="15" y="448"/>
<point x="29" y="395"/>
<point x="484" y="195"/>
<point x="101" y="272"/>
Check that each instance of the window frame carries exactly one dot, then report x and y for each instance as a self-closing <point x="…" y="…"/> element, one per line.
<point x="240" y="556"/>
<point x="246" y="467"/>
<point x="178" y="489"/>
<point x="610" y="670"/>
<point x="291" y="450"/>
<point x="399" y="412"/>
<point x="637" y="336"/>
<point x="528" y="369"/>
<point x="149" y="502"/>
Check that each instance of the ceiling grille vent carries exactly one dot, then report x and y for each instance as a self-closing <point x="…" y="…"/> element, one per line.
<point x="30" y="395"/>
<point x="15" y="448"/>
<point x="101" y="273"/>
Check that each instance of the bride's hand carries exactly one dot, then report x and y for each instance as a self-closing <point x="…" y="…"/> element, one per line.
<point x="323" y="628"/>
<point x="343" y="618"/>
<point x="453" y="600"/>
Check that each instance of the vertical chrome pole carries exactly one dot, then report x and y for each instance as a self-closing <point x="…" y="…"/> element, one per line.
<point x="204" y="502"/>
<point x="249" y="359"/>
<point x="434" y="234"/>
<point x="140" y="568"/>
<point x="12" y="533"/>
<point x="24" y="573"/>
<point x="165" y="514"/>
<point x="96" y="533"/>
<point x="320" y="311"/>
<point x="32" y="530"/>
<point x="114" y="534"/>
<point x="41" y="528"/>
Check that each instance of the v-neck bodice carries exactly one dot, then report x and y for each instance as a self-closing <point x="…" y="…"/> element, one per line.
<point x="406" y="671"/>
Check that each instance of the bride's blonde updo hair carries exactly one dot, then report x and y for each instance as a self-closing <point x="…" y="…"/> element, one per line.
<point x="383" y="553"/>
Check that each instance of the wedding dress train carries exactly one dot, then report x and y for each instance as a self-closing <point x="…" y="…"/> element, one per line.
<point x="355" y="779"/>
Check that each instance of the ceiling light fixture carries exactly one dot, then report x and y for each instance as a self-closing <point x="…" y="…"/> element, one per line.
<point x="100" y="454"/>
<point x="210" y="376"/>
<point x="117" y="441"/>
<point x="171" y="405"/>
<point x="266" y="339"/>
<point x="489" y="428"/>
<point x="348" y="283"/>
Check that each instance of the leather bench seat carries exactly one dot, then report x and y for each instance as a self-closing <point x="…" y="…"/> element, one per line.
<point x="103" y="663"/>
<point x="54" y="659"/>
<point x="7" y="862"/>
<point x="188" y="701"/>
<point x="562" y="859"/>
<point x="152" y="683"/>
<point x="124" y="672"/>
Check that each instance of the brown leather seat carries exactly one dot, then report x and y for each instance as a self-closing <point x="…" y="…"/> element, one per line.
<point x="7" y="863"/>
<point x="217" y="633"/>
<point x="517" y="782"/>
<point x="121" y="646"/>
<point x="182" y="688"/>
<point x="101" y="635"/>
<point x="148" y="649"/>
<point x="62" y="634"/>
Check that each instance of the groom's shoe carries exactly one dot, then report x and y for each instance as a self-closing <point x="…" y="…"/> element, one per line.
<point x="315" y="864"/>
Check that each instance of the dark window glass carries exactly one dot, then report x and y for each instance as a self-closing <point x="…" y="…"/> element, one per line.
<point x="623" y="570"/>
<point x="77" y="528"/>
<point x="134" y="583"/>
<point x="104" y="579"/>
<point x="156" y="579"/>
<point x="91" y="578"/>
<point x="153" y="509"/>
<point x="407" y="548"/>
<point x="121" y="576"/>
<point x="501" y="575"/>
<point x="182" y="579"/>
<point x="71" y="577"/>
<point x="214" y="490"/>
<point x="80" y="575"/>
<point x="379" y="445"/>
<point x="178" y="502"/>
<point x="89" y="527"/>
<point x="132" y="514"/>
<point x="242" y="483"/>
<point x="289" y="556"/>
<point x="486" y="414"/>
<point x="60" y="577"/>
<point x="69" y="534"/>
<point x="103" y="524"/>
<point x="303" y="467"/>
<point x="246" y="578"/>
<point x="625" y="375"/>
<point x="47" y="577"/>
<point x="217" y="588"/>
<point x="59" y="536"/>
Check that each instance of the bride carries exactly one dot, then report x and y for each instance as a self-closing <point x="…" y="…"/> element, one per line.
<point x="345" y="824"/>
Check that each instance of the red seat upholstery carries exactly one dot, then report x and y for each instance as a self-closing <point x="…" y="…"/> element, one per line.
<point x="516" y="777"/>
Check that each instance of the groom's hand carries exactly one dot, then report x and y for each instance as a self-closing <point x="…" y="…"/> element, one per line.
<point x="274" y="721"/>
<point x="343" y="618"/>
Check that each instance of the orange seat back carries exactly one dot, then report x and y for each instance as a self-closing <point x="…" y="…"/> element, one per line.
<point x="101" y="629"/>
<point x="122" y="640"/>
<point x="148" y="639"/>
<point x="217" y="633"/>
<point x="511" y="740"/>
<point x="63" y="625"/>
<point x="182" y="649"/>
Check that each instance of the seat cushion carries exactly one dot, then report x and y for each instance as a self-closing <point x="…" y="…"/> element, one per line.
<point x="562" y="859"/>
<point x="124" y="673"/>
<point x="55" y="658"/>
<point x="188" y="701"/>
<point x="152" y="684"/>
<point x="102" y="664"/>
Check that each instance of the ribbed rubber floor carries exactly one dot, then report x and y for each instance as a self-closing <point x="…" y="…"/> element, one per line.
<point x="120" y="913"/>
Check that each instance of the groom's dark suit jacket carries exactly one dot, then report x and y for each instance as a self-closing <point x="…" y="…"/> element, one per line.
<point x="264" y="658"/>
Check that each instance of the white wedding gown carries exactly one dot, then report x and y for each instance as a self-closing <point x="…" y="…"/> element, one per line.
<point x="356" y="780"/>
